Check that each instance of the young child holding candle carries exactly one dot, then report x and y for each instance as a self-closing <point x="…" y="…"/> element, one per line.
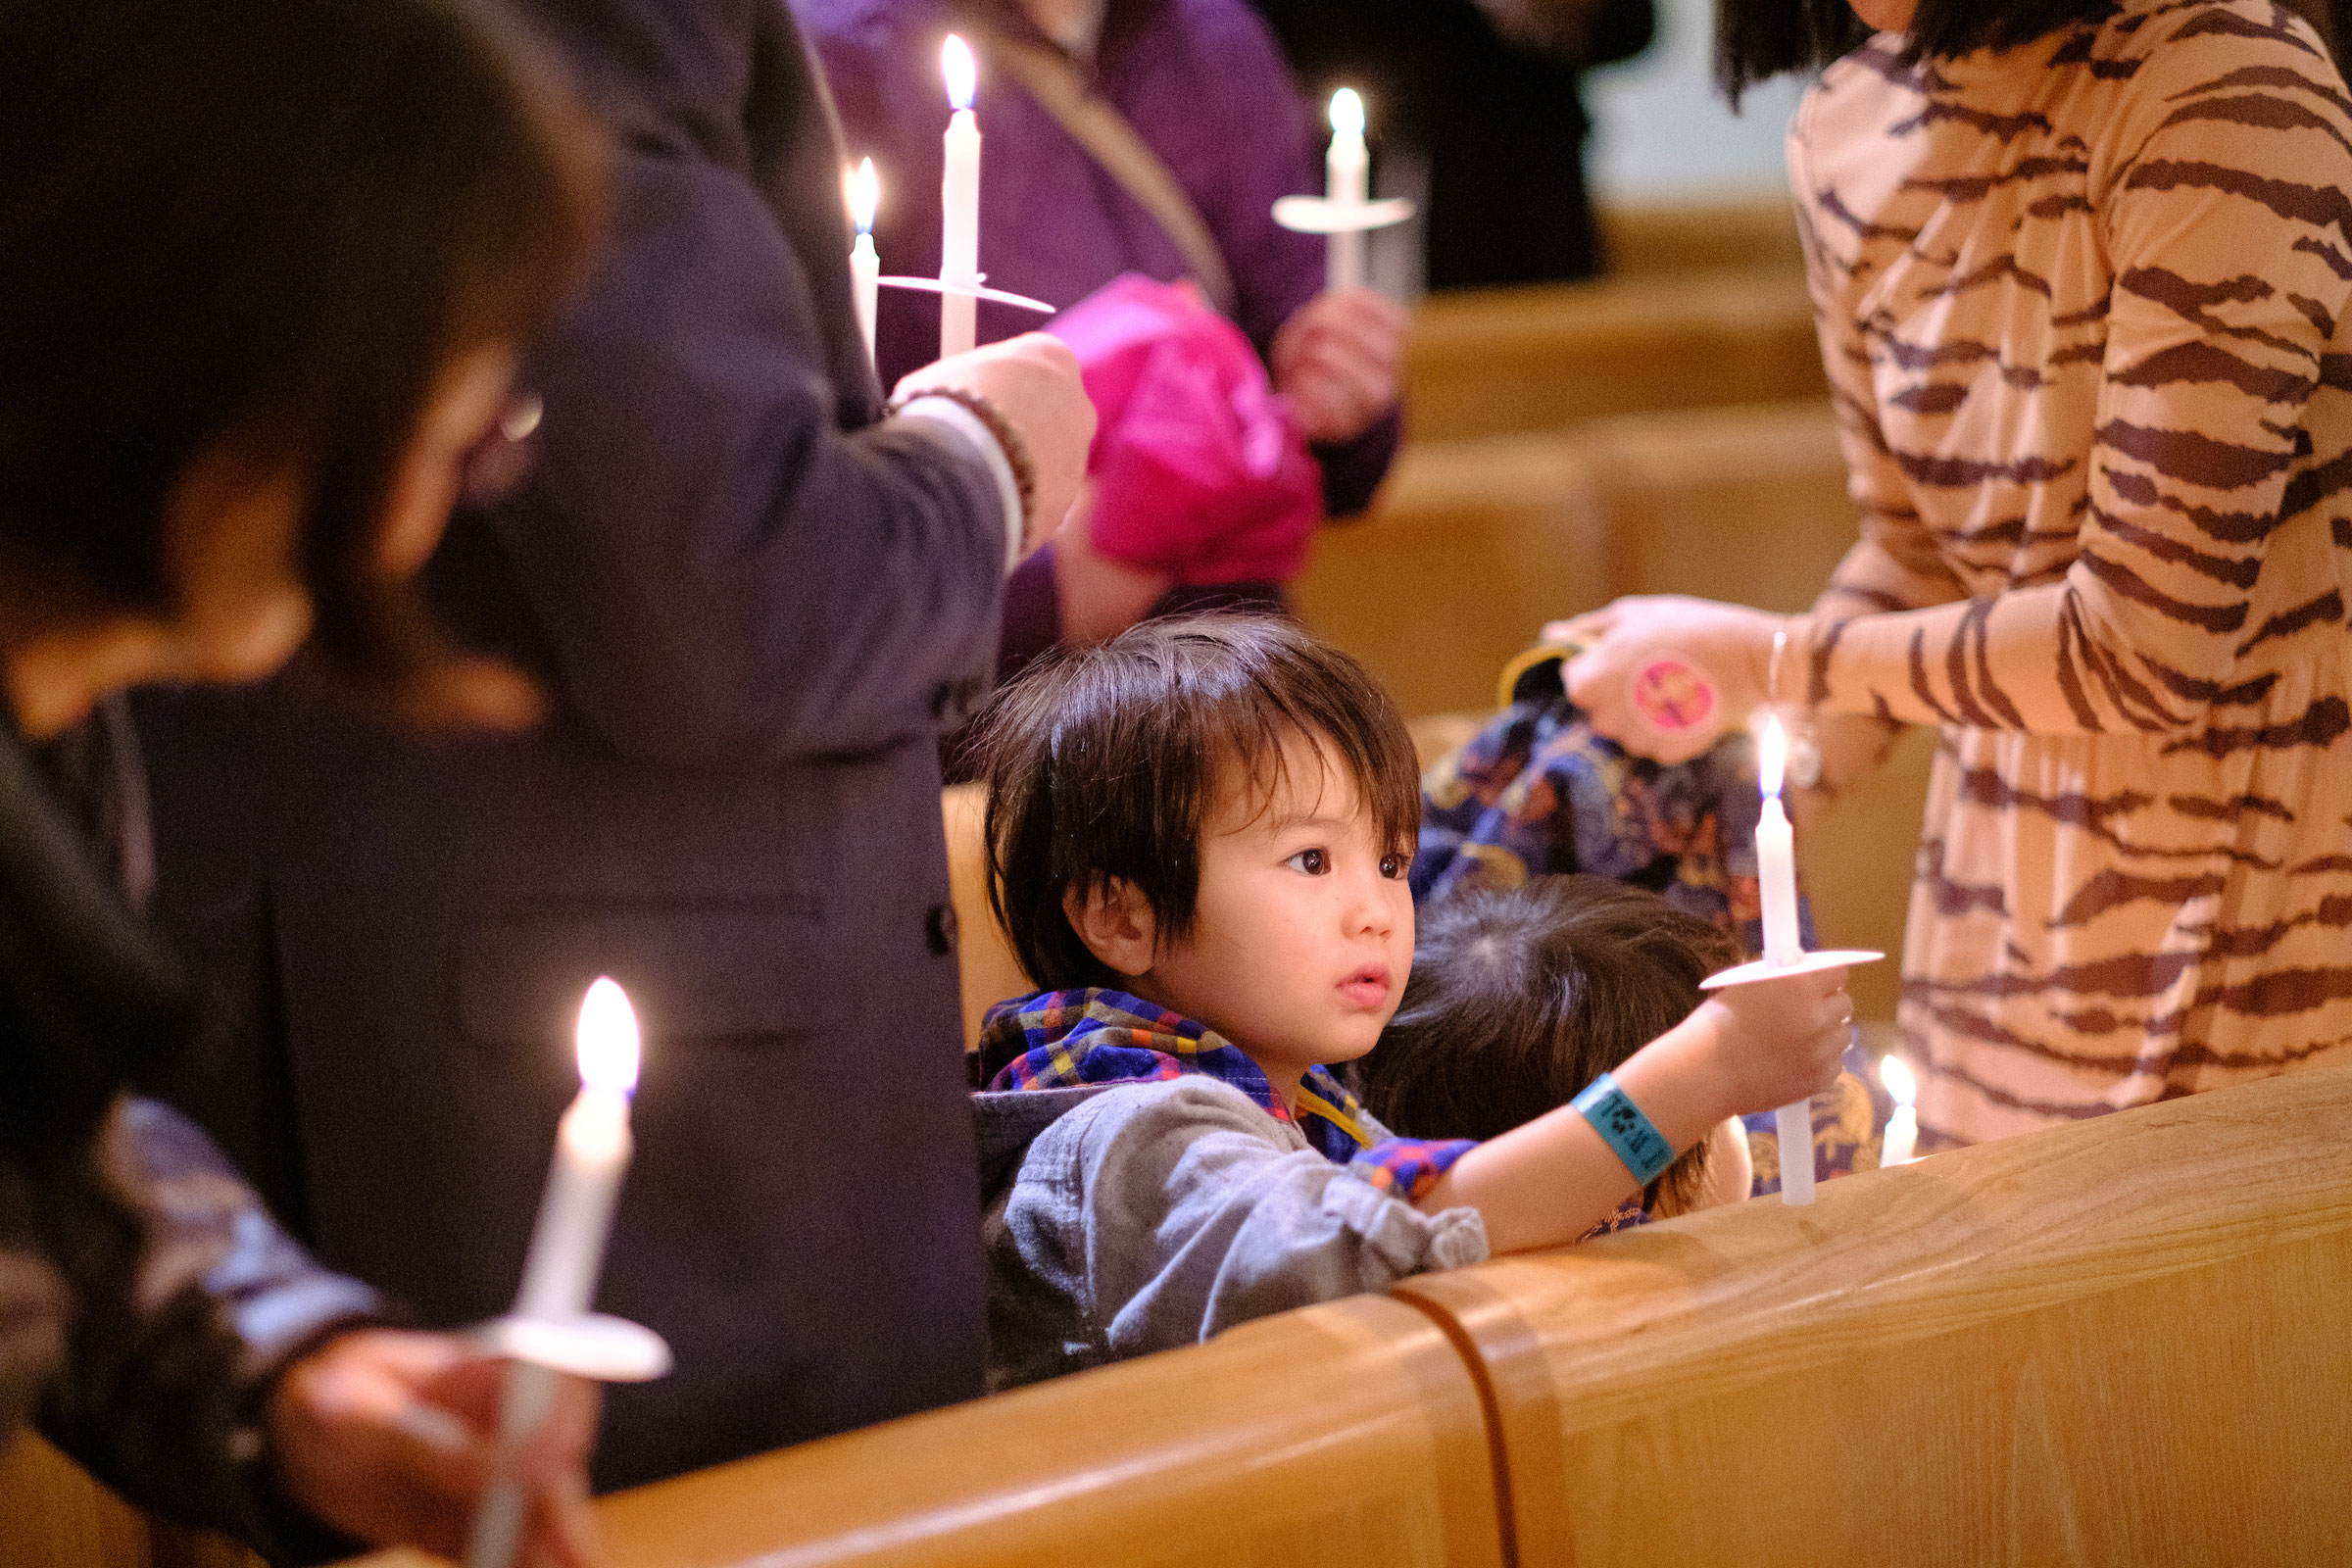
<point x="1198" y="835"/>
<point x="1520" y="997"/>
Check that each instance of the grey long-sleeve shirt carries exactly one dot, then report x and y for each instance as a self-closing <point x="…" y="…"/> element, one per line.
<point x="1136" y="1217"/>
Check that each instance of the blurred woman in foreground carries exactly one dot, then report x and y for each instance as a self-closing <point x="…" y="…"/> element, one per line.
<point x="267" y="270"/>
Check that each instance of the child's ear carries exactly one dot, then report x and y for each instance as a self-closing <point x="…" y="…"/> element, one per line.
<point x="1116" y="923"/>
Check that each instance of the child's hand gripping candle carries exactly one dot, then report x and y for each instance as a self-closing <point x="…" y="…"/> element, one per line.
<point x="864" y="194"/>
<point x="1784" y="948"/>
<point x="960" y="197"/>
<point x="567" y="1246"/>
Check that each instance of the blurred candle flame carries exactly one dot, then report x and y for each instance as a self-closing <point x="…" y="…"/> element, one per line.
<point x="961" y="71"/>
<point x="1771" y="755"/>
<point x="1901" y="1081"/>
<point x="608" y="1043"/>
<point x="1348" y="112"/>
<point x="862" y="190"/>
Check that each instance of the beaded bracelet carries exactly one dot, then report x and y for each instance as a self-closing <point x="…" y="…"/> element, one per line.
<point x="1629" y="1133"/>
<point x="1009" y="439"/>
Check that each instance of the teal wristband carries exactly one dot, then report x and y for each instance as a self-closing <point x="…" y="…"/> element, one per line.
<point x="1622" y="1126"/>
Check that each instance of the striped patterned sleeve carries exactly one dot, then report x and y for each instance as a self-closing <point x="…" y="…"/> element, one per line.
<point x="2221" y="197"/>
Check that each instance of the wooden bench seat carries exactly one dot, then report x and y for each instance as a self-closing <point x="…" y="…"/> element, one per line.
<point x="2124" y="1342"/>
<point x="1349" y="1434"/>
<point x="1488" y="361"/>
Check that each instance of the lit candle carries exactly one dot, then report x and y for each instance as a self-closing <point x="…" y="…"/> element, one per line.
<point x="1776" y="886"/>
<point x="864" y="194"/>
<point x="1345" y="186"/>
<point x="1776" y="850"/>
<point x="960" y="200"/>
<point x="1902" y="1128"/>
<point x="567" y="1246"/>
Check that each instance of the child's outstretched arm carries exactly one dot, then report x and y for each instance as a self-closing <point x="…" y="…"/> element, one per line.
<point x="1746" y="1049"/>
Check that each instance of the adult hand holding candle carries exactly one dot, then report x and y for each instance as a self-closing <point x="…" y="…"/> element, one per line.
<point x="593" y="1146"/>
<point x="960" y="199"/>
<point x="864" y="192"/>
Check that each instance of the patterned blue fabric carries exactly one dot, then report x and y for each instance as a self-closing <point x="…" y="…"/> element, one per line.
<point x="1537" y="793"/>
<point x="1062" y="1038"/>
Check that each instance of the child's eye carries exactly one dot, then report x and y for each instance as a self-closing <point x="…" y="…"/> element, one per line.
<point x="1393" y="866"/>
<point x="1314" y="863"/>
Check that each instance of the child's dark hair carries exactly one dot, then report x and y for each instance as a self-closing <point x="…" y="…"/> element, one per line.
<point x="1520" y="997"/>
<point x="1105" y="764"/>
<point x="268" y="224"/>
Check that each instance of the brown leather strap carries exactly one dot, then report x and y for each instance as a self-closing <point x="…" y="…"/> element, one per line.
<point x="1105" y="134"/>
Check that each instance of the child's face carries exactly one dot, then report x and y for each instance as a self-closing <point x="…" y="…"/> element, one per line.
<point x="1303" y="930"/>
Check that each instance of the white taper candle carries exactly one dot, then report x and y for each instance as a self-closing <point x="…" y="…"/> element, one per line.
<point x="864" y="194"/>
<point x="1346" y="169"/>
<point x="959" y="204"/>
<point x="1902" y="1128"/>
<point x="593" y="1146"/>
<point x="1776" y="890"/>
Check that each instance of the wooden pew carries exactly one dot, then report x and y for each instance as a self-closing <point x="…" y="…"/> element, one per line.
<point x="1475" y="544"/>
<point x="2124" y="1342"/>
<point x="54" y="1515"/>
<point x="1350" y="1434"/>
<point x="1488" y="361"/>
<point x="1650" y="239"/>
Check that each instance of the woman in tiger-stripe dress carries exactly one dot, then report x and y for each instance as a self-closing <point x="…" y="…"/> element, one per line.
<point x="2083" y="280"/>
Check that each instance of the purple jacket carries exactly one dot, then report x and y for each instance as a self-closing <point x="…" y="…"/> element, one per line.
<point x="1202" y="82"/>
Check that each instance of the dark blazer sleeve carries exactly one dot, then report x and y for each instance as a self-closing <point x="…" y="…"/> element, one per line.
<point x="189" y="1303"/>
<point x="719" y="570"/>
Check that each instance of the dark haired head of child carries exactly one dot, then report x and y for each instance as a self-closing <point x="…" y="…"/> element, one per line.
<point x="1521" y="997"/>
<point x="1216" y="814"/>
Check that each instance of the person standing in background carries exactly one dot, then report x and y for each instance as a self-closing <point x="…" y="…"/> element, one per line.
<point x="1487" y="91"/>
<point x="755" y="600"/>
<point x="1198" y="90"/>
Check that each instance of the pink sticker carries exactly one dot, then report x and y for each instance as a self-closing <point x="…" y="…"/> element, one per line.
<point x="1671" y="695"/>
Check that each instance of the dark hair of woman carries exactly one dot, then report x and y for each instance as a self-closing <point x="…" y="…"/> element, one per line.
<point x="1107" y="763"/>
<point x="1521" y="997"/>
<point x="1758" y="39"/>
<point x="267" y="226"/>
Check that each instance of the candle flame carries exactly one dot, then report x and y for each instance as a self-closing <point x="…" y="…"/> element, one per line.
<point x="607" y="1045"/>
<point x="962" y="73"/>
<point x="1771" y="755"/>
<point x="1348" y="112"/>
<point x="1901" y="1081"/>
<point x="862" y="190"/>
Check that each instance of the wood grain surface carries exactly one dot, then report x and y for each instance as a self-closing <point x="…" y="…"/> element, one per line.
<point x="2126" y="1342"/>
<point x="1344" y="1434"/>
<point x="1494" y="360"/>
